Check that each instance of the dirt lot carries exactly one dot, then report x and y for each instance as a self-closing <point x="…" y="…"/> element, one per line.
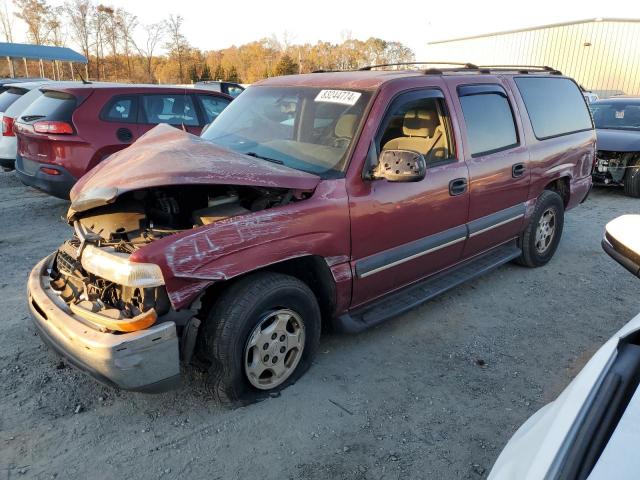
<point x="435" y="393"/>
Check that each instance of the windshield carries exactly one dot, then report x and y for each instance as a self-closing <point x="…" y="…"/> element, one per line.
<point x="308" y="129"/>
<point x="616" y="115"/>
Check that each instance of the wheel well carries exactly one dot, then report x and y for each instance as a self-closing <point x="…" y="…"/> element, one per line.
<point x="561" y="187"/>
<point x="312" y="270"/>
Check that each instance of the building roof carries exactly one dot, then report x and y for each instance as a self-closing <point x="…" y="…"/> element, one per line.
<point x="540" y="27"/>
<point x="44" y="52"/>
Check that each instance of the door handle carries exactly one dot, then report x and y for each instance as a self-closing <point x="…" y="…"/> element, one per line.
<point x="457" y="186"/>
<point x="517" y="170"/>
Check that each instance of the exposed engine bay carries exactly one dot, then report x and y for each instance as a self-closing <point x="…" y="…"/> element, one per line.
<point x="610" y="167"/>
<point x="105" y="237"/>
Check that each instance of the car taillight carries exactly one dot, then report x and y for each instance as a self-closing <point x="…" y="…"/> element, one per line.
<point x="7" y="126"/>
<point x="56" y="128"/>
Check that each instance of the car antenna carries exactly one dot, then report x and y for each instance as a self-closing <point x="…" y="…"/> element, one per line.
<point x="84" y="81"/>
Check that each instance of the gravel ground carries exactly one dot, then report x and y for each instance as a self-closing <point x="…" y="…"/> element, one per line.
<point x="434" y="393"/>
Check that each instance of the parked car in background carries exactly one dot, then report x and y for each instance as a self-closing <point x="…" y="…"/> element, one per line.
<point x="70" y="129"/>
<point x="5" y="83"/>
<point x="230" y="88"/>
<point x="617" y="123"/>
<point x="341" y="198"/>
<point x="591" y="430"/>
<point x="24" y="94"/>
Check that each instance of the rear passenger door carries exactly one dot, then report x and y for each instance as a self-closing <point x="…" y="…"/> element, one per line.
<point x="177" y="109"/>
<point x="498" y="162"/>
<point x="120" y="120"/>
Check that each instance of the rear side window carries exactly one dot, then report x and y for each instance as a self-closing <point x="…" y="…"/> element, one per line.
<point x="9" y="96"/>
<point x="555" y="106"/>
<point x="52" y="105"/>
<point x="488" y="118"/>
<point x="212" y="106"/>
<point x="233" y="90"/>
<point x="120" y="109"/>
<point x="174" y="109"/>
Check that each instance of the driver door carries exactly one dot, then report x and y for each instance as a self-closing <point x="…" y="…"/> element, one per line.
<point x="403" y="232"/>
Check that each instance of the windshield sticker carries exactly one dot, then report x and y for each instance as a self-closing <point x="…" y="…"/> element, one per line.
<point x="342" y="97"/>
<point x="620" y="114"/>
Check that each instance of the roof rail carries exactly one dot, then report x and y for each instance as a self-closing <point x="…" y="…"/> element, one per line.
<point x="398" y="64"/>
<point x="523" y="68"/>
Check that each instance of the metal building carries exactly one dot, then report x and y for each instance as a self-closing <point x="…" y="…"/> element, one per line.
<point x="602" y="54"/>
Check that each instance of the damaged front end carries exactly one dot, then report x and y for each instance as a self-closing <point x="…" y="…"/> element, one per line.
<point x="611" y="166"/>
<point x="113" y="316"/>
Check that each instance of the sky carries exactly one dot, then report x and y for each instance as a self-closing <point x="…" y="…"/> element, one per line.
<point x="209" y="26"/>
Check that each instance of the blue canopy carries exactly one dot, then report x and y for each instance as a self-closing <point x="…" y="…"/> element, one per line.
<point x="37" y="52"/>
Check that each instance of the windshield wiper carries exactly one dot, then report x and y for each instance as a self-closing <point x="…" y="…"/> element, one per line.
<point x="272" y="160"/>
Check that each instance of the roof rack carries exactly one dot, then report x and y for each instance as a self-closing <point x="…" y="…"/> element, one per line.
<point x="523" y="68"/>
<point x="399" y="64"/>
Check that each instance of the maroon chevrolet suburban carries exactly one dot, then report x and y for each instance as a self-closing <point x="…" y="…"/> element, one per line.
<point x="335" y="199"/>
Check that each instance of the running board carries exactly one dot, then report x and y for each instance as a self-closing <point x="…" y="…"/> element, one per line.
<point x="409" y="297"/>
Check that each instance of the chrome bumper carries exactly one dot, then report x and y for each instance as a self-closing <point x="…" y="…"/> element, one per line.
<point x="143" y="361"/>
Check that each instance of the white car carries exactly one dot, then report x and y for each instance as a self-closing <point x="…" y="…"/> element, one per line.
<point x="592" y="430"/>
<point x="16" y="98"/>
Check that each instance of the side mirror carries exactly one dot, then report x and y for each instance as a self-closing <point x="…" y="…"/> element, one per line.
<point x="400" y="166"/>
<point x="622" y="242"/>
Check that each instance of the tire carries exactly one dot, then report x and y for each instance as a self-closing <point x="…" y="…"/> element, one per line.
<point x="535" y="251"/>
<point x="632" y="179"/>
<point x="237" y="318"/>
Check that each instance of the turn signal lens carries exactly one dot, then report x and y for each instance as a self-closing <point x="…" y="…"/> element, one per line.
<point x="49" y="171"/>
<point x="54" y="128"/>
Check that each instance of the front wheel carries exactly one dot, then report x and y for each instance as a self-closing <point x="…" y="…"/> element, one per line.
<point x="632" y="179"/>
<point x="260" y="336"/>
<point x="540" y="239"/>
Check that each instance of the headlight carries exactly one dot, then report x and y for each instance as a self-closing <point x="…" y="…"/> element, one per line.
<point x="117" y="268"/>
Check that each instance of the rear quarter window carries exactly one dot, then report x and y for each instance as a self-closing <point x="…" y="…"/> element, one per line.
<point x="555" y="106"/>
<point x="52" y="105"/>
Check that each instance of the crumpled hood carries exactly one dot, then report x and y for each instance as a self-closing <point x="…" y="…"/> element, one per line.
<point x="618" y="140"/>
<point x="167" y="156"/>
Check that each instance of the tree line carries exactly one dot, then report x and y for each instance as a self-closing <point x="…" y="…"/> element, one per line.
<point x="120" y="47"/>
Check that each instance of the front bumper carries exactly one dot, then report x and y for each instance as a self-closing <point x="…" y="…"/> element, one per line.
<point x="143" y="361"/>
<point x="30" y="174"/>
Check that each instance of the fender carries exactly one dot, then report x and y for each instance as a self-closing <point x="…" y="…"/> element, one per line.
<point x="192" y="260"/>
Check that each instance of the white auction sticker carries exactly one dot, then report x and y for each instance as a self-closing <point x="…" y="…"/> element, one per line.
<point x="619" y="113"/>
<point x="343" y="97"/>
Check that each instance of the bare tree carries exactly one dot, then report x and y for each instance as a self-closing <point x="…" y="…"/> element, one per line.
<point x="154" y="34"/>
<point x="7" y="22"/>
<point x="37" y="14"/>
<point x="57" y="30"/>
<point x="177" y="45"/>
<point x="80" y="13"/>
<point x="127" y="25"/>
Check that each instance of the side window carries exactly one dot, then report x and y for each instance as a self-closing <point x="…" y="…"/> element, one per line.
<point x="418" y="122"/>
<point x="120" y="109"/>
<point x="234" y="90"/>
<point x="212" y="106"/>
<point x="489" y="119"/>
<point x="174" y="109"/>
<point x="555" y="106"/>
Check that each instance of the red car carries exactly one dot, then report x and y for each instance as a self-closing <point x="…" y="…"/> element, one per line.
<point x="69" y="130"/>
<point x="337" y="199"/>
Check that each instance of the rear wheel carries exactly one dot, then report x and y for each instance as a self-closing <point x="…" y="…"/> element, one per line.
<point x="540" y="239"/>
<point x="632" y="179"/>
<point x="260" y="336"/>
